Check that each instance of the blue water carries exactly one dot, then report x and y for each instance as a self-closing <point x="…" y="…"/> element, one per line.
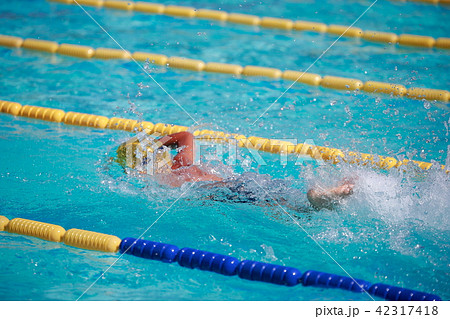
<point x="395" y="229"/>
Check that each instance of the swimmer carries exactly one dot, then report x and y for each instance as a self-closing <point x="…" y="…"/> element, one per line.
<point x="181" y="169"/>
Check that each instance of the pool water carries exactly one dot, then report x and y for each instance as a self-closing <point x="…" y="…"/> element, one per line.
<point x="394" y="229"/>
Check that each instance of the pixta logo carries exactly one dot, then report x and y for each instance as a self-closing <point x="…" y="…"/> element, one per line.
<point x="228" y="150"/>
<point x="147" y="154"/>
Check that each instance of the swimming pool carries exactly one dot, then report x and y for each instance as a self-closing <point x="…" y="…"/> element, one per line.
<point x="394" y="230"/>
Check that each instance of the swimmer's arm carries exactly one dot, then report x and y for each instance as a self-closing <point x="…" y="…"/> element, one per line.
<point x="185" y="141"/>
<point x="320" y="199"/>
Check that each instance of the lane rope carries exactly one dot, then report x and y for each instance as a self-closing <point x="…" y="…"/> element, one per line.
<point x="330" y="82"/>
<point x="269" y="22"/>
<point x="207" y="261"/>
<point x="327" y="154"/>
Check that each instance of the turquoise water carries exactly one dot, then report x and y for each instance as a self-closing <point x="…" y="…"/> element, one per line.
<point x="395" y="229"/>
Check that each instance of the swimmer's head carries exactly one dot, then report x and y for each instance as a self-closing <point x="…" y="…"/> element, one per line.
<point x="151" y="158"/>
<point x="162" y="160"/>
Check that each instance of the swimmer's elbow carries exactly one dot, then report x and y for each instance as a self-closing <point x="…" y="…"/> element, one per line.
<point x="319" y="200"/>
<point x="312" y="198"/>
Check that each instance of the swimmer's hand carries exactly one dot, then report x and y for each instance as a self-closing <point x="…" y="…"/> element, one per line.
<point x="330" y="198"/>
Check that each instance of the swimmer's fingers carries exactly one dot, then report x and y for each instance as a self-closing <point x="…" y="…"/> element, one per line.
<point x="348" y="189"/>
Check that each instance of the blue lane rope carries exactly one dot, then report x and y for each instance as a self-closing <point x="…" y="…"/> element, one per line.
<point x="258" y="271"/>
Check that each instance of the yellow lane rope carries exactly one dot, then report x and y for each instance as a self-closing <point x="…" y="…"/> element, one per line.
<point x="332" y="82"/>
<point x="73" y="237"/>
<point x="435" y="2"/>
<point x="270" y="22"/>
<point x="331" y="155"/>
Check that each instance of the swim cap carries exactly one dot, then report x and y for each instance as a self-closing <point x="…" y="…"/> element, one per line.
<point x="162" y="160"/>
<point x="147" y="154"/>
